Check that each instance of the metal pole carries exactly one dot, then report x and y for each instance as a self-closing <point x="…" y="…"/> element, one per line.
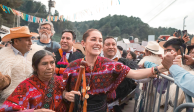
<point x="49" y="4"/>
<point x="18" y="21"/>
<point x="184" y="21"/>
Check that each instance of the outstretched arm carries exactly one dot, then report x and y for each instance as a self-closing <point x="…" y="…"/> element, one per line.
<point x="183" y="79"/>
<point x="144" y="73"/>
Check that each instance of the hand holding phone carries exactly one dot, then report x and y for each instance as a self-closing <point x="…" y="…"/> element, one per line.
<point x="178" y="60"/>
<point x="184" y="33"/>
<point x="185" y="36"/>
<point x="182" y="54"/>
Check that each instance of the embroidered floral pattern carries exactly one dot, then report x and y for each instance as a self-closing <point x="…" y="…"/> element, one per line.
<point x="106" y="75"/>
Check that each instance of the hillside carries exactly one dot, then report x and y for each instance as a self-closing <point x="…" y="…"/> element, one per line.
<point x="117" y="25"/>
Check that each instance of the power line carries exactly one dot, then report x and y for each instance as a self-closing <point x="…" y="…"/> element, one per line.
<point x="156" y="15"/>
<point x="154" y="8"/>
<point x="162" y="11"/>
<point x="36" y="12"/>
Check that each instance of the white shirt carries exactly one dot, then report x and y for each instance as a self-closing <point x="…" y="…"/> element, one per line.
<point x="102" y="55"/>
<point x="16" y="52"/>
<point x="67" y="54"/>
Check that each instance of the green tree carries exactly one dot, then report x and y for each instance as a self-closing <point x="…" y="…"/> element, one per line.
<point x="56" y="13"/>
<point x="6" y="18"/>
<point x="115" y="32"/>
<point x="105" y="29"/>
<point x="125" y="36"/>
<point x="117" y="25"/>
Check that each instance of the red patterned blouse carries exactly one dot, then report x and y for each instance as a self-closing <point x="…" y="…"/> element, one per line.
<point x="105" y="76"/>
<point x="32" y="93"/>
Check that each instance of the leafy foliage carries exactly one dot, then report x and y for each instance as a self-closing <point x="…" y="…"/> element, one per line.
<point x="6" y="18"/>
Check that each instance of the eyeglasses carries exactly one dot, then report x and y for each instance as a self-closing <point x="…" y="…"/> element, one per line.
<point x="45" y="28"/>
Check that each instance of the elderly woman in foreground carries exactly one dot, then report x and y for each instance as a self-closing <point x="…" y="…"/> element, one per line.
<point x="41" y="90"/>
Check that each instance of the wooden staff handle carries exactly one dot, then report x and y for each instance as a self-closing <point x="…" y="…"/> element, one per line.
<point x="78" y="82"/>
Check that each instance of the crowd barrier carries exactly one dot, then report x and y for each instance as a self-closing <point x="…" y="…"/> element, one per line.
<point x="148" y="101"/>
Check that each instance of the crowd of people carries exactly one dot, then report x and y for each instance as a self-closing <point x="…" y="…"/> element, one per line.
<point x="41" y="75"/>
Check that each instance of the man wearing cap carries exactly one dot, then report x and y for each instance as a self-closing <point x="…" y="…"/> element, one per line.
<point x="16" y="61"/>
<point x="68" y="52"/>
<point x="46" y="31"/>
<point x="127" y="85"/>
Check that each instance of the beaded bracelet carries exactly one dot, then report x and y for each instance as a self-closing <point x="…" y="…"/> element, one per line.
<point x="152" y="70"/>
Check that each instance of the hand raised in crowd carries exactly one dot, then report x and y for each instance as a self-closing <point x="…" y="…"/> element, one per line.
<point x="70" y="96"/>
<point x="175" y="35"/>
<point x="189" y="60"/>
<point x="168" y="59"/>
<point x="178" y="60"/>
<point x="186" y="38"/>
<point x="43" y="110"/>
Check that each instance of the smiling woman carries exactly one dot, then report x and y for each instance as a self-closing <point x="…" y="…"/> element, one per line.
<point x="102" y="75"/>
<point x="41" y="90"/>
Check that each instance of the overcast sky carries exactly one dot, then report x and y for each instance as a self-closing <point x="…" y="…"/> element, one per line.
<point x="171" y="12"/>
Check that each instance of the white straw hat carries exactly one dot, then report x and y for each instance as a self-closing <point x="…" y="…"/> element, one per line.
<point x="154" y="47"/>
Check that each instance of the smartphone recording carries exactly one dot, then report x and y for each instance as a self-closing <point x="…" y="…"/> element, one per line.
<point x="184" y="32"/>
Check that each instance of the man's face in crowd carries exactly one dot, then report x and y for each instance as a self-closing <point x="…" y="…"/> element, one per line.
<point x="147" y="53"/>
<point x="23" y="44"/>
<point x="45" y="32"/>
<point x="67" y="41"/>
<point x="192" y="53"/>
<point x="170" y="48"/>
<point x="110" y="48"/>
<point x="136" y="52"/>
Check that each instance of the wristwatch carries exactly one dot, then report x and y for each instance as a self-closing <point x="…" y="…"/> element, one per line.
<point x="156" y="71"/>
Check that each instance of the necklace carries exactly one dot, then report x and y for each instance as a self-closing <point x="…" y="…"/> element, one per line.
<point x="88" y="85"/>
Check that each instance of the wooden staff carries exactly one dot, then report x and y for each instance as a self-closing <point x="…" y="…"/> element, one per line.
<point x="78" y="82"/>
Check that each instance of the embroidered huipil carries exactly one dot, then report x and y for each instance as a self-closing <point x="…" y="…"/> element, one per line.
<point x="31" y="94"/>
<point x="105" y="78"/>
